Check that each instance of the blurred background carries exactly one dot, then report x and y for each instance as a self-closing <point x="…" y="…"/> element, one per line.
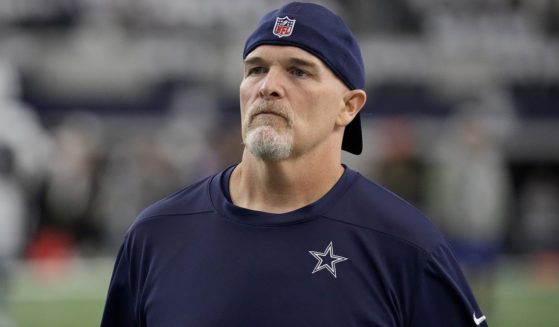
<point x="108" y="105"/>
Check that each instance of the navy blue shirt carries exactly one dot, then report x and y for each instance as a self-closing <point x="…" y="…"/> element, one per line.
<point x="359" y="256"/>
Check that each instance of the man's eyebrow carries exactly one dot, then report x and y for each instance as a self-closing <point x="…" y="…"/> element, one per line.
<point x="293" y="61"/>
<point x="302" y="62"/>
<point x="254" y="61"/>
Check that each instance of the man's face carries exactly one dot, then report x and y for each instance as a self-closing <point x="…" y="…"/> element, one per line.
<point x="289" y="102"/>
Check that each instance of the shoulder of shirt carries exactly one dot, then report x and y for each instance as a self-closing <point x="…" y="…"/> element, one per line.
<point x="190" y="200"/>
<point x="370" y="206"/>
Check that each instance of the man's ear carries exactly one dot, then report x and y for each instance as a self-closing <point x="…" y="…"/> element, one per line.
<point x="353" y="100"/>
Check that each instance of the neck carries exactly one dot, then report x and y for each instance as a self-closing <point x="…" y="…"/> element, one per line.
<point x="282" y="186"/>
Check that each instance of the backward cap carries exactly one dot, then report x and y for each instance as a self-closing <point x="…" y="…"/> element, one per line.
<point x="322" y="33"/>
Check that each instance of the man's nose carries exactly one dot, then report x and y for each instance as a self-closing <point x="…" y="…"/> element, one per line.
<point x="271" y="86"/>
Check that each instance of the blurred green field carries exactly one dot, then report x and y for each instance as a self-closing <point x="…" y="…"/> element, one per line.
<point x="72" y="295"/>
<point x="58" y="294"/>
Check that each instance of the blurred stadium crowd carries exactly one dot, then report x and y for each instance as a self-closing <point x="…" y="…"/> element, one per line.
<point x="109" y="105"/>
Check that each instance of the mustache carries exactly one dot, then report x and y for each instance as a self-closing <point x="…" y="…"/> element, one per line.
<point x="269" y="107"/>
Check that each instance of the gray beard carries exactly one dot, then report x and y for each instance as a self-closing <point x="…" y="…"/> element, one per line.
<point x="266" y="144"/>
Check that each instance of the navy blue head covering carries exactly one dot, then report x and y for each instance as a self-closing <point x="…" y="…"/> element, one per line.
<point x="322" y="33"/>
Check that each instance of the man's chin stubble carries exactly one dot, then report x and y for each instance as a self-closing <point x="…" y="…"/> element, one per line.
<point x="266" y="144"/>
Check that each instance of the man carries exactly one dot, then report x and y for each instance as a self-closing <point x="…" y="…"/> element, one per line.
<point x="290" y="236"/>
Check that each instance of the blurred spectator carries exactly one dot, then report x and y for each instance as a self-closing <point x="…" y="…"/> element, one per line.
<point x="134" y="175"/>
<point x="12" y="207"/>
<point x="72" y="184"/>
<point x="12" y="216"/>
<point x="151" y="161"/>
<point x="539" y="210"/>
<point x="401" y="170"/>
<point x="23" y="156"/>
<point x="21" y="129"/>
<point x="184" y="138"/>
<point x="539" y="225"/>
<point x="469" y="193"/>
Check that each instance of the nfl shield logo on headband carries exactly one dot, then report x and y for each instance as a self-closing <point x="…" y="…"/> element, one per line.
<point x="284" y="26"/>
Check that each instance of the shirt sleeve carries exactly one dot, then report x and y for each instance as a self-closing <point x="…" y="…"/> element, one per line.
<point x="443" y="296"/>
<point x="121" y="298"/>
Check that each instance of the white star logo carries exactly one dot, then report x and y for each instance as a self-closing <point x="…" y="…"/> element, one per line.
<point x="328" y="253"/>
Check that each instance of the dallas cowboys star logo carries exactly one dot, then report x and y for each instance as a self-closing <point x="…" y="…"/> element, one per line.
<point x="328" y="254"/>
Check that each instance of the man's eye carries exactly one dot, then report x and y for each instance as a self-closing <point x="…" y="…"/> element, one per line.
<point x="256" y="70"/>
<point x="299" y="72"/>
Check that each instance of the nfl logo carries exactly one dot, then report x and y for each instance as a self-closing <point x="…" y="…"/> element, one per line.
<point x="284" y="26"/>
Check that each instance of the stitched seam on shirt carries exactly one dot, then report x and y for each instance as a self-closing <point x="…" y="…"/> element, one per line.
<point x="154" y="217"/>
<point x="416" y="290"/>
<point x="425" y="251"/>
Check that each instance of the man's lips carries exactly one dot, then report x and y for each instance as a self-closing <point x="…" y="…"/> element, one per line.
<point x="268" y="113"/>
